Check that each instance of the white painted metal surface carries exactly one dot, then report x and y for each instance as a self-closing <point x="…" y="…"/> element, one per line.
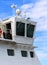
<point x="19" y="39"/>
<point x="17" y="43"/>
<point x="17" y="59"/>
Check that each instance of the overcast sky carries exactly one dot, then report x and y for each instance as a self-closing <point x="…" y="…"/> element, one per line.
<point x="37" y="11"/>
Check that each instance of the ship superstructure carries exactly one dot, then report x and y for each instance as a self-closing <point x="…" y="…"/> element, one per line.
<point x="16" y="42"/>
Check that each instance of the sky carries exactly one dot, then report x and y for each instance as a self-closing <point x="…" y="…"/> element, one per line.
<point x="37" y="11"/>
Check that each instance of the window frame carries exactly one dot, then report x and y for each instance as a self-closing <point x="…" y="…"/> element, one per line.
<point x="10" y="52"/>
<point x="27" y="35"/>
<point x="23" y="28"/>
<point x="31" y="54"/>
<point x="24" y="53"/>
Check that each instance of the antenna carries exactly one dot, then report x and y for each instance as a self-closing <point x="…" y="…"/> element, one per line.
<point x="13" y="6"/>
<point x="25" y="15"/>
<point x="18" y="12"/>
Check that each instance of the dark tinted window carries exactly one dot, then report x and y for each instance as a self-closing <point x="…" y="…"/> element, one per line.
<point x="24" y="53"/>
<point x="8" y="25"/>
<point x="10" y="52"/>
<point x="32" y="54"/>
<point x="30" y="30"/>
<point x="20" y="28"/>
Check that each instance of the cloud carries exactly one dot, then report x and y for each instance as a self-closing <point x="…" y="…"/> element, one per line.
<point x="41" y="39"/>
<point x="26" y="6"/>
<point x="37" y="12"/>
<point x="42" y="57"/>
<point x="41" y="54"/>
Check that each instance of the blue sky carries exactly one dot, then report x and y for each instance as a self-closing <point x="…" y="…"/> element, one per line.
<point x="37" y="11"/>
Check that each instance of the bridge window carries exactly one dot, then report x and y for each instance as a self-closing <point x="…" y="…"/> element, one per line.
<point x="24" y="53"/>
<point x="10" y="52"/>
<point x="32" y="54"/>
<point x="8" y="25"/>
<point x="30" y="30"/>
<point x="20" y="28"/>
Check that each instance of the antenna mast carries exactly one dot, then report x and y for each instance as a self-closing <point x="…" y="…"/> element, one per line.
<point x="13" y="6"/>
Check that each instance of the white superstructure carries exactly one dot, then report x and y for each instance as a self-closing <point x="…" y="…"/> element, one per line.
<point x="16" y="42"/>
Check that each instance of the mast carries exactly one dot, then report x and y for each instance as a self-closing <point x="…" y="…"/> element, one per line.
<point x="13" y="6"/>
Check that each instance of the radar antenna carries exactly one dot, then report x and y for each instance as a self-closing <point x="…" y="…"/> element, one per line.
<point x="18" y="12"/>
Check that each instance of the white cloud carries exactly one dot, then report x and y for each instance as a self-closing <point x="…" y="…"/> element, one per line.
<point x="41" y="39"/>
<point x="26" y="6"/>
<point x="42" y="24"/>
<point x="41" y="43"/>
<point x="41" y="55"/>
<point x="37" y="12"/>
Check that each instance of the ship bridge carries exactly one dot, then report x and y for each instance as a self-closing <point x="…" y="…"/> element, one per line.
<point x="16" y="41"/>
<point x="18" y="29"/>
